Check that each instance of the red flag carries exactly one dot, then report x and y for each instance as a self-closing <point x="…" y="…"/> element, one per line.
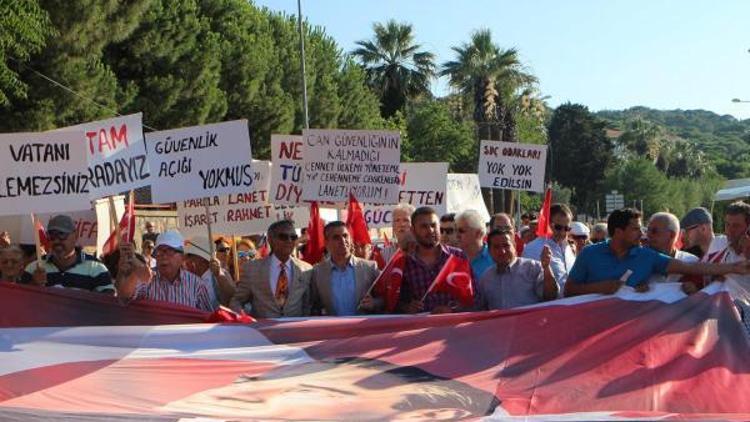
<point x="315" y="242"/>
<point x="263" y="250"/>
<point x="455" y="279"/>
<point x="127" y="230"/>
<point x="43" y="241"/>
<point x="355" y="222"/>
<point x="386" y="240"/>
<point x="225" y="315"/>
<point x="388" y="283"/>
<point x="543" y="229"/>
<point x="377" y="256"/>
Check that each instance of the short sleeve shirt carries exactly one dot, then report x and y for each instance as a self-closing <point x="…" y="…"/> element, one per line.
<point x="520" y="284"/>
<point x="597" y="263"/>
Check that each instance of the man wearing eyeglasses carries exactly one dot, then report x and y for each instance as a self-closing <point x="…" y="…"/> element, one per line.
<point x="563" y="255"/>
<point x="663" y="230"/>
<point x="66" y="265"/>
<point x="278" y="285"/>
<point x="169" y="283"/>
<point x="448" y="230"/>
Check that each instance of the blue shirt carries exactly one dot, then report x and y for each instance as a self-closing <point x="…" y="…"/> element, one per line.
<point x="343" y="287"/>
<point x="597" y="263"/>
<point x="562" y="260"/>
<point x="481" y="263"/>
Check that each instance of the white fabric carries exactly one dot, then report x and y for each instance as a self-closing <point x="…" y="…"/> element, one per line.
<point x="275" y="270"/>
<point x="674" y="278"/>
<point x="562" y="261"/>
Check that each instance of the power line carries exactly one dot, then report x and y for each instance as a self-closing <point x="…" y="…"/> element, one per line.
<point x="71" y="90"/>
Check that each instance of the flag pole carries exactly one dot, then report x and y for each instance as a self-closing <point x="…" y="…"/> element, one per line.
<point x="210" y="232"/>
<point x="113" y="220"/>
<point x="37" y="242"/>
<point x="131" y="218"/>
<point x="235" y="258"/>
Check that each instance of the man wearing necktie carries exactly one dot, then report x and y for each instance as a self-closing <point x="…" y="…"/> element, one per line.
<point x="278" y="285"/>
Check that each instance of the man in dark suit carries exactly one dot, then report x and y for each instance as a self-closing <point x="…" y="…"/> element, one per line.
<point x="278" y="285"/>
<point x="340" y="283"/>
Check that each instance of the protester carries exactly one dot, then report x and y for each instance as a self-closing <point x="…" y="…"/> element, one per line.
<point x="169" y="283"/>
<point x="513" y="281"/>
<point x="362" y="251"/>
<point x="699" y="233"/>
<point x="527" y="218"/>
<point x="223" y="251"/>
<point x="147" y="250"/>
<point x="663" y="231"/>
<point x="423" y="266"/>
<point x="278" y="285"/>
<point x="408" y="243"/>
<point x="4" y="239"/>
<point x="527" y="235"/>
<point x="198" y="260"/>
<point x="736" y="219"/>
<point x="340" y="283"/>
<point x="11" y="264"/>
<point x="149" y="233"/>
<point x="599" y="233"/>
<point x="401" y="225"/>
<point x="66" y="265"/>
<point x="471" y="240"/>
<point x="606" y="266"/>
<point x="503" y="221"/>
<point x="563" y="255"/>
<point x="448" y="230"/>
<point x="579" y="233"/>
<point x="246" y="251"/>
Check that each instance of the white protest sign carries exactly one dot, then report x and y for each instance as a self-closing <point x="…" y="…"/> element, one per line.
<point x="508" y="165"/>
<point x="286" y="173"/>
<point x="464" y="194"/>
<point x="43" y="172"/>
<point x="422" y="184"/>
<point x="199" y="161"/>
<point x="365" y="163"/>
<point x="241" y="213"/>
<point x="116" y="154"/>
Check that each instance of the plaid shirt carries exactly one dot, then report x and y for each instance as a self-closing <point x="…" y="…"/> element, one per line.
<point x="418" y="277"/>
<point x="189" y="290"/>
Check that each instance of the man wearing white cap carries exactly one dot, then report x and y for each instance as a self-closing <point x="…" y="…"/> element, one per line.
<point x="198" y="260"/>
<point x="169" y="283"/>
<point x="579" y="233"/>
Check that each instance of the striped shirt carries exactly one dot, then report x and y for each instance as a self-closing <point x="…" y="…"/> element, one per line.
<point x="187" y="290"/>
<point x="86" y="273"/>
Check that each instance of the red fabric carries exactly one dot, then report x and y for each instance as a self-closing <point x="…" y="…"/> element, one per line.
<point x="226" y="315"/>
<point x="388" y="283"/>
<point x="315" y="245"/>
<point x="455" y="279"/>
<point x="386" y="240"/>
<point x="43" y="240"/>
<point x="377" y="256"/>
<point x="127" y="230"/>
<point x="519" y="245"/>
<point x="263" y="250"/>
<point x="355" y="222"/>
<point x="543" y="229"/>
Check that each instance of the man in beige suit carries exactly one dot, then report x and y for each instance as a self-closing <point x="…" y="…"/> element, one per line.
<point x="340" y="283"/>
<point x="278" y="285"/>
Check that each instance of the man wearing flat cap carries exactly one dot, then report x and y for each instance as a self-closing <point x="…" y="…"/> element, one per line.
<point x="66" y="265"/>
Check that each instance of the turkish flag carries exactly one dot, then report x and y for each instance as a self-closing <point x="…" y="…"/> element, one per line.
<point x="377" y="256"/>
<point x="315" y="241"/>
<point x="43" y="240"/>
<point x="388" y="283"/>
<point x="543" y="229"/>
<point x="355" y="222"/>
<point x="455" y="279"/>
<point x="127" y="229"/>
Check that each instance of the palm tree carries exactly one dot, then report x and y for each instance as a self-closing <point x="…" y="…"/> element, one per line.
<point x="395" y="67"/>
<point x="489" y="77"/>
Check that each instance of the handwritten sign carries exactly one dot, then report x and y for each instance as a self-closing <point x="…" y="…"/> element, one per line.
<point x="116" y="154"/>
<point x="43" y="172"/>
<point x="464" y="194"/>
<point x="365" y="163"/>
<point x="240" y="213"/>
<point x="507" y="165"/>
<point x="422" y="184"/>
<point x="200" y="161"/>
<point x="286" y="173"/>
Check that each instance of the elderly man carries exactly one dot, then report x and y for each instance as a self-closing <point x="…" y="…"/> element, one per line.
<point x="663" y="231"/>
<point x="599" y="233"/>
<point x="606" y="266"/>
<point x="448" y="230"/>
<point x="11" y="264"/>
<point x="563" y="255"/>
<point x="471" y="240"/>
<point x="579" y="234"/>
<point x="66" y="265"/>
<point x="340" y="283"/>
<point x="424" y="265"/>
<point x="513" y="281"/>
<point x="503" y="221"/>
<point x="169" y="283"/>
<point x="698" y="229"/>
<point x="401" y="225"/>
<point x="198" y="260"/>
<point x="279" y="284"/>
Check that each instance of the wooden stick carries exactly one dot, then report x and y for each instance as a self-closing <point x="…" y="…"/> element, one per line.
<point x="131" y="218"/>
<point x="210" y="233"/>
<point x="235" y="259"/>
<point x="113" y="220"/>
<point x="38" y="242"/>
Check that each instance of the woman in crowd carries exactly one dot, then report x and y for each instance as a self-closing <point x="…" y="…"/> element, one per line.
<point x="11" y="264"/>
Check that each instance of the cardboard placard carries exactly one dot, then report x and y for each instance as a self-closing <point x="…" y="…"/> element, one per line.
<point x="509" y="165"/>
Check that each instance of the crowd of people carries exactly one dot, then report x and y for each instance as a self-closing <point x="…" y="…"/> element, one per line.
<point x="511" y="265"/>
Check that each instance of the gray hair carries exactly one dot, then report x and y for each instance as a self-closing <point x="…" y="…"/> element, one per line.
<point x="669" y="220"/>
<point x="473" y="219"/>
<point x="600" y="228"/>
<point x="406" y="208"/>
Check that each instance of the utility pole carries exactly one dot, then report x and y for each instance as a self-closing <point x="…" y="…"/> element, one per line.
<point x="302" y="61"/>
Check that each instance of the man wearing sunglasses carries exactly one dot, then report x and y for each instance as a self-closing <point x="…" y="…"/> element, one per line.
<point x="278" y="285"/>
<point x="449" y="230"/>
<point x="563" y="255"/>
<point x="663" y="231"/>
<point x="66" y="265"/>
<point x="606" y="266"/>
